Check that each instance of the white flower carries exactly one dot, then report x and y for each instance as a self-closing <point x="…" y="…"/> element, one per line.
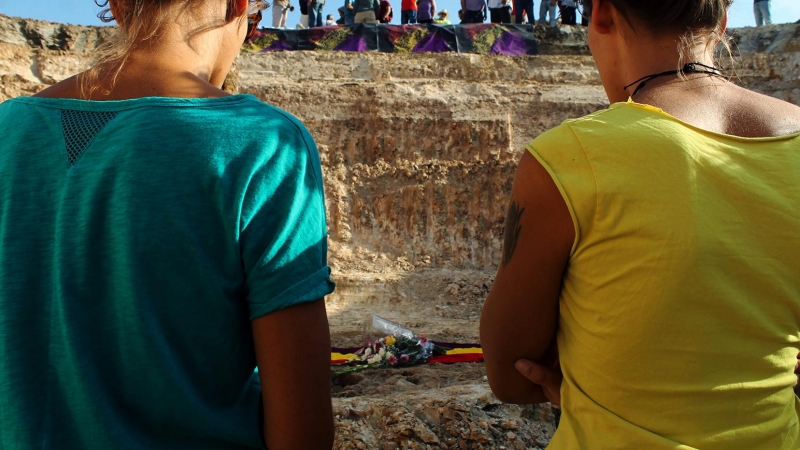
<point x="368" y="351"/>
<point x="382" y="352"/>
<point x="375" y="359"/>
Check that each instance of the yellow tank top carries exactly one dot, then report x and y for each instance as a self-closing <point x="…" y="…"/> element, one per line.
<point x="680" y="311"/>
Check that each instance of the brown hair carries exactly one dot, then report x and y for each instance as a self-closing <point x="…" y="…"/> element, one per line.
<point x="675" y="15"/>
<point x="143" y="22"/>
<point x="695" y="20"/>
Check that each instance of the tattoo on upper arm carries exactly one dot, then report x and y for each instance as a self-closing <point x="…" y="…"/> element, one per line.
<point x="513" y="229"/>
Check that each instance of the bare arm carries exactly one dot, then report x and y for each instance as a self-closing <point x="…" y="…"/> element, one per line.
<point x="384" y="11"/>
<point x="520" y="315"/>
<point x="293" y="354"/>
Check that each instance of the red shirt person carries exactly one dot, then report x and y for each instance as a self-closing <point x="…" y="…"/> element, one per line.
<point x="408" y="12"/>
<point x="386" y="13"/>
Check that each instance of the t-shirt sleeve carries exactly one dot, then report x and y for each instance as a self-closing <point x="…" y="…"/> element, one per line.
<point x="561" y="153"/>
<point x="283" y="231"/>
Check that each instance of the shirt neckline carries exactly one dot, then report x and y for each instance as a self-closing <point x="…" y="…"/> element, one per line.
<point x="661" y="112"/>
<point x="118" y="105"/>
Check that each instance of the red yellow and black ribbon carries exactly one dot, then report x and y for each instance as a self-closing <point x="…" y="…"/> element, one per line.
<point x="456" y="353"/>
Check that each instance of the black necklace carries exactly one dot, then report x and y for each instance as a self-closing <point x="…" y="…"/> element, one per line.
<point x="691" y="67"/>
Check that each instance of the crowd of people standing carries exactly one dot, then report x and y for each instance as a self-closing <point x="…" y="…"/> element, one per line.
<point x="426" y="12"/>
<point x="511" y="11"/>
<point x="472" y="11"/>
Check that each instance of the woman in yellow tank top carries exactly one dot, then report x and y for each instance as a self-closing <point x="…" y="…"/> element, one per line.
<point x="653" y="249"/>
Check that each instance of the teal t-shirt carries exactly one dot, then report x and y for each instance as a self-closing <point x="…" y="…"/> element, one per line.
<point x="138" y="238"/>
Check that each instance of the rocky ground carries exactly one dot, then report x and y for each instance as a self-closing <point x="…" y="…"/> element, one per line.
<point x="418" y="154"/>
<point x="433" y="407"/>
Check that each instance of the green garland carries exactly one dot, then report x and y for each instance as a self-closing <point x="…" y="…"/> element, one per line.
<point x="407" y="42"/>
<point x="332" y="39"/>
<point x="483" y="42"/>
<point x="262" y="43"/>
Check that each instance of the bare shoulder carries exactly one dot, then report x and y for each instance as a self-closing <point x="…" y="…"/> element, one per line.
<point x="727" y="108"/>
<point x="131" y="85"/>
<point x="762" y="115"/>
<point x="64" y="89"/>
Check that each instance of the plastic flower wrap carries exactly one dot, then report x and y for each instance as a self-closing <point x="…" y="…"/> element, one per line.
<point x="401" y="348"/>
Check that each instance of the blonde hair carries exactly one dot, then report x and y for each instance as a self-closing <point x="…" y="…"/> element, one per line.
<point x="140" y="22"/>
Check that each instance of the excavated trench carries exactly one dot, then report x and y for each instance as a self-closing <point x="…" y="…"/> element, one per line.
<point x="418" y="155"/>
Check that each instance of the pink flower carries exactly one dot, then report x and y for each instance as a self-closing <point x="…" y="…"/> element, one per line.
<point x="392" y="360"/>
<point x="377" y="346"/>
<point x="404" y="359"/>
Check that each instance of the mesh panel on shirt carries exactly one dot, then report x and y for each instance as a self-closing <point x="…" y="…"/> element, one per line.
<point x="80" y="128"/>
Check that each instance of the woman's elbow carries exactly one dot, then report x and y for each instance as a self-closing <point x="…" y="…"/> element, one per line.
<point x="510" y="386"/>
<point x="316" y="440"/>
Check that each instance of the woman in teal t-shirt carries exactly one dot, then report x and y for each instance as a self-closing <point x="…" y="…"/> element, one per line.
<point x="159" y="239"/>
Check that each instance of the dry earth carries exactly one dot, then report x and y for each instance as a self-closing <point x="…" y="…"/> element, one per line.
<point x="418" y="154"/>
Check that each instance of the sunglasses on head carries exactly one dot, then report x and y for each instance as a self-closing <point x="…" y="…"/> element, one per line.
<point x="254" y="17"/>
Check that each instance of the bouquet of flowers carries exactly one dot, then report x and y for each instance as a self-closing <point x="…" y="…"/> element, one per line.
<point x="393" y="351"/>
<point x="400" y="349"/>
